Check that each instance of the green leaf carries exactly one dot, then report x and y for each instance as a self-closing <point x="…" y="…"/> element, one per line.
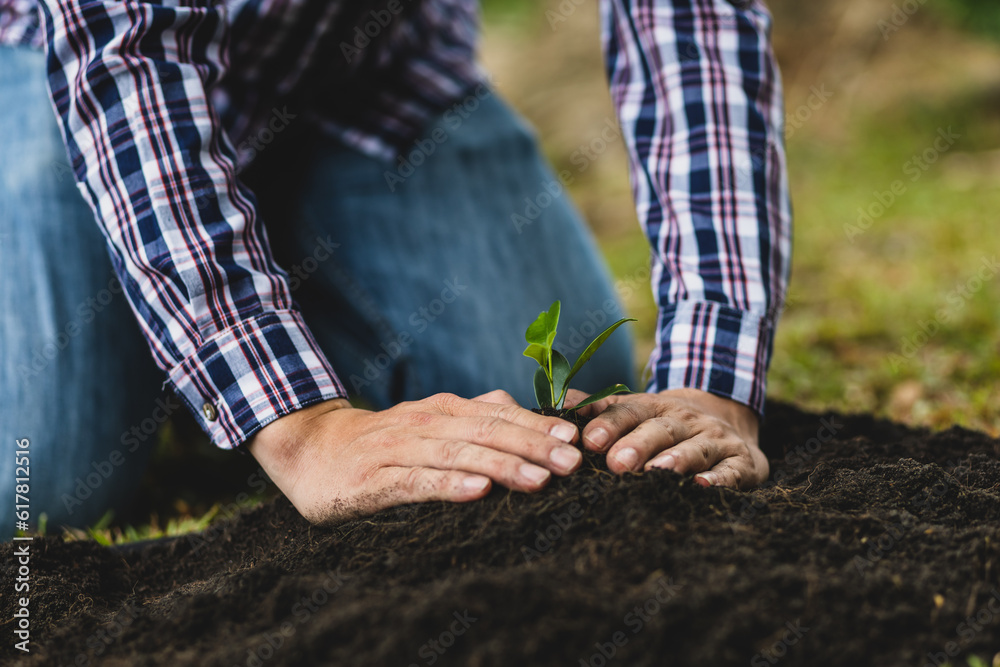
<point x="543" y="330"/>
<point x="595" y="345"/>
<point x="540" y="335"/>
<point x="560" y="378"/>
<point x="538" y="353"/>
<point x="604" y="393"/>
<point x="543" y="390"/>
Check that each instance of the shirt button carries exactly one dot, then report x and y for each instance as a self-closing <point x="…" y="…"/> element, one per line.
<point x="211" y="414"/>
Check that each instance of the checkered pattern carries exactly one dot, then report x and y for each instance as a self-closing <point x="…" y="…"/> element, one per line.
<point x="161" y="103"/>
<point x="699" y="100"/>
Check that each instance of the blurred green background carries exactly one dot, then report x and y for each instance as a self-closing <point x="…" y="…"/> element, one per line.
<point x="853" y="335"/>
<point x="851" y="338"/>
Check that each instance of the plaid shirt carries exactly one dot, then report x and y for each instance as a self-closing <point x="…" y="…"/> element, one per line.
<point x="162" y="103"/>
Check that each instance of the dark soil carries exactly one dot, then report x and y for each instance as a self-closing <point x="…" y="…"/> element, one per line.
<point x="875" y="548"/>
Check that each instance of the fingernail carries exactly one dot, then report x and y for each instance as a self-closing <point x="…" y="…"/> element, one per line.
<point x="599" y="438"/>
<point x="475" y="483"/>
<point x="708" y="479"/>
<point x="666" y="462"/>
<point x="566" y="458"/>
<point x="628" y="457"/>
<point x="533" y="474"/>
<point x="565" y="432"/>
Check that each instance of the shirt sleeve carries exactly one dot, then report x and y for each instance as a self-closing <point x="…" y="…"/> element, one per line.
<point x="129" y="82"/>
<point x="698" y="95"/>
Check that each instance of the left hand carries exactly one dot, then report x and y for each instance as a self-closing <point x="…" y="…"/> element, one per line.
<point x="688" y="431"/>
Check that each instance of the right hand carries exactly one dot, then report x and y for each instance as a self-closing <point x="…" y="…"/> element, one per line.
<point x="334" y="461"/>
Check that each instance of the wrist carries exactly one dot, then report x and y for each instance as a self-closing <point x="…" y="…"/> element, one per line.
<point x="740" y="416"/>
<point x="278" y="446"/>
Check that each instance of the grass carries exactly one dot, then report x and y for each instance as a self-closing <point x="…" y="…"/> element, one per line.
<point x="107" y="532"/>
<point x="974" y="661"/>
<point x="891" y="319"/>
<point x="895" y="320"/>
<point x="851" y="338"/>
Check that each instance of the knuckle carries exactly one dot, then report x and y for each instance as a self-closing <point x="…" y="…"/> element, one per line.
<point x="669" y="429"/>
<point x="418" y="419"/>
<point x="688" y="416"/>
<point x="444" y="399"/>
<point x="414" y="480"/>
<point x="485" y="430"/>
<point x="715" y="432"/>
<point x="737" y="446"/>
<point x="367" y="471"/>
<point x="451" y="452"/>
<point x="621" y="413"/>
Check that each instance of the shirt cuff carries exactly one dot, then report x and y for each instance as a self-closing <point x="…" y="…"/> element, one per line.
<point x="252" y="373"/>
<point x="715" y="348"/>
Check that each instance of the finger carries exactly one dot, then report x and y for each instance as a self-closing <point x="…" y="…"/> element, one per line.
<point x="735" y="472"/>
<point x="498" y="396"/>
<point x="645" y="441"/>
<point x="745" y="469"/>
<point x="506" y="469"/>
<point x="574" y="396"/>
<point x="613" y="423"/>
<point x="502" y="435"/>
<point x="460" y="407"/>
<point x="417" y="485"/>
<point x="696" y="455"/>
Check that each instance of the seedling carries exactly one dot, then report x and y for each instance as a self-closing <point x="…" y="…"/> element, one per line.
<point x="554" y="372"/>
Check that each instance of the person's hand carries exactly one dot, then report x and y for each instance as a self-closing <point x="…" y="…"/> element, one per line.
<point x="334" y="461"/>
<point x="684" y="430"/>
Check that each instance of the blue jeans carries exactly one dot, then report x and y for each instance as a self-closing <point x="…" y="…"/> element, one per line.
<point x="415" y="278"/>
